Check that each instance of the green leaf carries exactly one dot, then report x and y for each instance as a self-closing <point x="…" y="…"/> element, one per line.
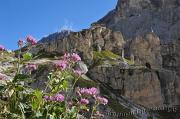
<point x="20" y="77"/>
<point x="38" y="114"/>
<point x="83" y="107"/>
<point x="65" y="84"/>
<point x="21" y="106"/>
<point x="27" y="56"/>
<point x="37" y="100"/>
<point x="50" y="76"/>
<point x="19" y="88"/>
<point x="2" y="86"/>
<point x="73" y="112"/>
<point x="51" y="116"/>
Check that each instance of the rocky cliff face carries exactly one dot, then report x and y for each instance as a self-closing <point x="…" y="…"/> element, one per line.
<point x="139" y="17"/>
<point x="171" y="56"/>
<point x="155" y="85"/>
<point x="150" y="88"/>
<point x="145" y="31"/>
<point x="84" y="42"/>
<point x="138" y="85"/>
<point x="146" y="50"/>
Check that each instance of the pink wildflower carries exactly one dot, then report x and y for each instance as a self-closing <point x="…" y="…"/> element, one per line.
<point x="84" y="91"/>
<point x="93" y="91"/>
<point x="66" y="56"/>
<point x="78" y="72"/>
<point x="89" y="91"/>
<point x="70" y="103"/>
<point x="102" y="100"/>
<point x="51" y="98"/>
<point x="46" y="97"/>
<point x="62" y="64"/>
<point x="57" y="98"/>
<point x="31" y="67"/>
<point x="31" y="40"/>
<point x="2" y="48"/>
<point x="84" y="101"/>
<point x="3" y="77"/>
<point x="99" y="114"/>
<point x="75" y="57"/>
<point x="20" y="43"/>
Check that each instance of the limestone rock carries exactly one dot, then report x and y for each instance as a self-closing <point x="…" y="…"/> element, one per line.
<point x="146" y="50"/>
<point x="170" y="87"/>
<point x="141" y="86"/>
<point x="138" y="17"/>
<point x="171" y="56"/>
<point x="83" y="42"/>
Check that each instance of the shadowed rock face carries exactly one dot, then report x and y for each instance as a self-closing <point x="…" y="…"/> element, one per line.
<point x="138" y="85"/>
<point x="139" y="17"/>
<point x="150" y="88"/>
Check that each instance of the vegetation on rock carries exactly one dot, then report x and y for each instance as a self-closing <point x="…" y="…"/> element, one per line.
<point x="61" y="99"/>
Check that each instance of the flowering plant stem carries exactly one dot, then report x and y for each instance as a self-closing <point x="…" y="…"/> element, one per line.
<point x="19" y="60"/>
<point x="71" y="91"/>
<point x="75" y="82"/>
<point x="93" y="109"/>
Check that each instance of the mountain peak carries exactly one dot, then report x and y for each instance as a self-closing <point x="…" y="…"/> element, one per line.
<point x="144" y="4"/>
<point x="139" y="17"/>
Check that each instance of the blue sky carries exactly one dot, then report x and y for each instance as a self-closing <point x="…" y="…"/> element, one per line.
<point x="39" y="18"/>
